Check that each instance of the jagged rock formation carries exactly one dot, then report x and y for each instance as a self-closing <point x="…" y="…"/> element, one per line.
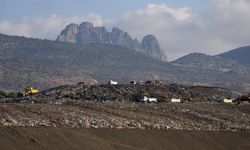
<point x="152" y="48"/>
<point x="86" y="33"/>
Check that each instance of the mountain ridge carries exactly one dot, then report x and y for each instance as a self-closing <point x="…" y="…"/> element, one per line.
<point x="201" y="60"/>
<point x="241" y="55"/>
<point x="87" y="33"/>
<point x="45" y="64"/>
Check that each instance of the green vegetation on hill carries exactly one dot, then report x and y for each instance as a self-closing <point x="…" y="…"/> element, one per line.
<point x="10" y="94"/>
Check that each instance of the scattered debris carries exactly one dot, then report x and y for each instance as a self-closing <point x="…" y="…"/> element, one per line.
<point x="81" y="83"/>
<point x="107" y="106"/>
<point x="133" y="82"/>
<point x="242" y="99"/>
<point x="126" y="93"/>
<point x="158" y="82"/>
<point x="149" y="83"/>
<point x="176" y="100"/>
<point x="141" y="82"/>
<point x="147" y="99"/>
<point x="113" y="82"/>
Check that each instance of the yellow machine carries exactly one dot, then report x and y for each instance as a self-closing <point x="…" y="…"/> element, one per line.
<point x="30" y="90"/>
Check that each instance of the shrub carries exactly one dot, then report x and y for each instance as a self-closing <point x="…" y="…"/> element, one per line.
<point x="2" y="93"/>
<point x="14" y="95"/>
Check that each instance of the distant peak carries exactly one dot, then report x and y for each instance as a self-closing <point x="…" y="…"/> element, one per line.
<point x="72" y="25"/>
<point x="86" y="33"/>
<point x="87" y="25"/>
<point x="152" y="47"/>
<point x="150" y="39"/>
<point x="150" y="36"/>
<point x="115" y="30"/>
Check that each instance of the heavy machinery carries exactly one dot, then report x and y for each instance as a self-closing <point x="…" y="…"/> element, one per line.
<point x="242" y="99"/>
<point x="30" y="90"/>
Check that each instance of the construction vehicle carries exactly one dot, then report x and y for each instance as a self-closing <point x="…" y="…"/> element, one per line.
<point x="242" y="99"/>
<point x="30" y="90"/>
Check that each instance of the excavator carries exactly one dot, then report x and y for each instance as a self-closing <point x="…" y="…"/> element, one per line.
<point x="30" y="90"/>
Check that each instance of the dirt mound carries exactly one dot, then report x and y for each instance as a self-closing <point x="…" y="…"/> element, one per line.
<point x="128" y="93"/>
<point x="115" y="106"/>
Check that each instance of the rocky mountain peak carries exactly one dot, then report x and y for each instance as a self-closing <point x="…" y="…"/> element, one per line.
<point x="69" y="33"/>
<point x="152" y="47"/>
<point x="150" y="42"/>
<point x="116" y="30"/>
<point x="87" y="33"/>
<point x="86" y="25"/>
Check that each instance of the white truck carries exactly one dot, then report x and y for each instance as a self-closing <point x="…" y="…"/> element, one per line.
<point x="228" y="100"/>
<point x="147" y="99"/>
<point x="176" y="100"/>
<point x="113" y="82"/>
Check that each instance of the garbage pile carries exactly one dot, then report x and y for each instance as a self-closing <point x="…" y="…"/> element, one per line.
<point x="127" y="93"/>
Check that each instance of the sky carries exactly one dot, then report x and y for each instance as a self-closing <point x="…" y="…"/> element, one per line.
<point x="181" y="26"/>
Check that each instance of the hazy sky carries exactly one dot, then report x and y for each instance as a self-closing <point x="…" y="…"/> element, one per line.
<point x="181" y="26"/>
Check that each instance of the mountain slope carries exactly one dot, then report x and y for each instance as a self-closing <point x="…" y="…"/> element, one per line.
<point x="229" y="72"/>
<point x="86" y="33"/>
<point x="44" y="64"/>
<point x="25" y="62"/>
<point x="199" y="60"/>
<point x="241" y="55"/>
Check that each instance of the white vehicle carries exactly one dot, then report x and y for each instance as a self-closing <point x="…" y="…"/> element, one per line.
<point x="113" y="82"/>
<point x="228" y="100"/>
<point x="175" y="100"/>
<point x="149" y="100"/>
<point x="133" y="82"/>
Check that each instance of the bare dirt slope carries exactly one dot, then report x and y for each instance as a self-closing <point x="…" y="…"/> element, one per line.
<point x="107" y="139"/>
<point x="88" y="114"/>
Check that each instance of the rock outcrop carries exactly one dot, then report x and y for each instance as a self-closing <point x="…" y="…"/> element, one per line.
<point x="152" y="48"/>
<point x="69" y="34"/>
<point x="86" y="33"/>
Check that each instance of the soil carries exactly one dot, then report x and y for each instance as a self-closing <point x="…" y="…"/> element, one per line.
<point x="128" y="115"/>
<point x="110" y="117"/>
<point x="111" y="139"/>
